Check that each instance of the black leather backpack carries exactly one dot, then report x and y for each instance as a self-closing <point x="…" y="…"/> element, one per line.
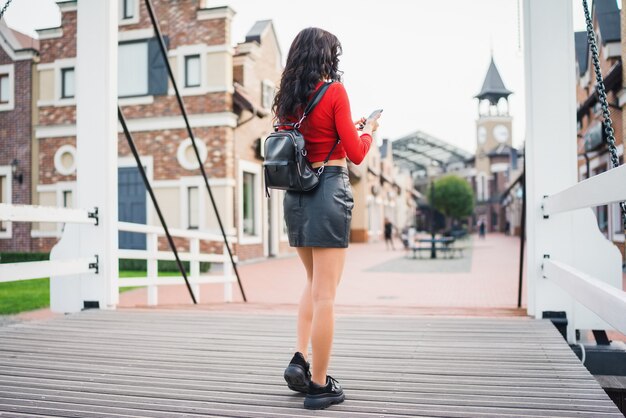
<point x="286" y="166"/>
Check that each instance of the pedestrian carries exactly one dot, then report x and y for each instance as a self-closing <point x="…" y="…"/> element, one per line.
<point x="318" y="221"/>
<point x="389" y="234"/>
<point x="481" y="228"/>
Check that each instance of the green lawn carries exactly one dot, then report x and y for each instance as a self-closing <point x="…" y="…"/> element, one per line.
<point x="27" y="295"/>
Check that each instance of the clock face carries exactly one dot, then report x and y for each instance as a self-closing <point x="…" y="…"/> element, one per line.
<point x="501" y="133"/>
<point x="482" y="135"/>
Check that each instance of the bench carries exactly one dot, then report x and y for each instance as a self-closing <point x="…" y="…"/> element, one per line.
<point x="448" y="251"/>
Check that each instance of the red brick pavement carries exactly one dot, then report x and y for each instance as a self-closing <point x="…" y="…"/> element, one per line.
<point x="491" y="282"/>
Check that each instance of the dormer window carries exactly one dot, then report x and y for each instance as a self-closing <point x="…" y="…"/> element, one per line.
<point x="5" y="91"/>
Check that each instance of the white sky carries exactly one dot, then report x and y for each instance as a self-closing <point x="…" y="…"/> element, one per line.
<point x="422" y="61"/>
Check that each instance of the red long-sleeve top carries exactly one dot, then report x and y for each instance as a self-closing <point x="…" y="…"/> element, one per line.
<point x="332" y="119"/>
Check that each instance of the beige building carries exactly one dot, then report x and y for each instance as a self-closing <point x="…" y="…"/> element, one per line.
<point x="227" y="93"/>
<point x="382" y="189"/>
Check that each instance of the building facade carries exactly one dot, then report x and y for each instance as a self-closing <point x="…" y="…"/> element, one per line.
<point x="228" y="115"/>
<point x="18" y="58"/>
<point x="593" y="151"/>
<point x="382" y="189"/>
<point x="228" y="93"/>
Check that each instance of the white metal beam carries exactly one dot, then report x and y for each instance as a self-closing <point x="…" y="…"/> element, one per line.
<point x="601" y="189"/>
<point x="608" y="302"/>
<point x="27" y="213"/>
<point x="41" y="269"/>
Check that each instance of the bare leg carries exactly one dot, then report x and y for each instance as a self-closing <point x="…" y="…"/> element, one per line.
<point x="305" y="310"/>
<point x="327" y="268"/>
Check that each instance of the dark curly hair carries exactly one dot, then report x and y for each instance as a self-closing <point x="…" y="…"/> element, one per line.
<point x="313" y="56"/>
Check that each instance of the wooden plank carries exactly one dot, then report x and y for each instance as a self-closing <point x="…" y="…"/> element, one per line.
<point x="188" y="404"/>
<point x="174" y="363"/>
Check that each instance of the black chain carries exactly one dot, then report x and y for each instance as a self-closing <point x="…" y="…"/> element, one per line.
<point x="608" y="124"/>
<point x="4" y="8"/>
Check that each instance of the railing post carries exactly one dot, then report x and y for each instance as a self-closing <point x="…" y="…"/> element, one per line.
<point x="228" y="276"/>
<point x="550" y="144"/>
<point x="96" y="160"/>
<point x="571" y="237"/>
<point x="194" y="266"/>
<point x="152" y="247"/>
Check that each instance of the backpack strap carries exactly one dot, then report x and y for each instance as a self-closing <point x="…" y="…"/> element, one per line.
<point x="320" y="170"/>
<point x="313" y="102"/>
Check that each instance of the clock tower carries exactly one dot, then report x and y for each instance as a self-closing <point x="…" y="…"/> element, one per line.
<point x="493" y="127"/>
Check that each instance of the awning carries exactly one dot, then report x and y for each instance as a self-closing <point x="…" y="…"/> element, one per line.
<point x="243" y="101"/>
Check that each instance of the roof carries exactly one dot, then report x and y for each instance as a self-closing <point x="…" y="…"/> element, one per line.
<point x="581" y="46"/>
<point x="25" y="41"/>
<point x="17" y="41"/>
<point x="608" y="15"/>
<point x="258" y="29"/>
<point x="243" y="101"/>
<point x="502" y="150"/>
<point x="493" y="87"/>
<point x="419" y="150"/>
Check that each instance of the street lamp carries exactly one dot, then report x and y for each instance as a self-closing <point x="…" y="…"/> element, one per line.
<point x="433" y="250"/>
<point x="14" y="165"/>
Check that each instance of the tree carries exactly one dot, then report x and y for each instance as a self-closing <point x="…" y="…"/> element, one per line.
<point x="453" y="197"/>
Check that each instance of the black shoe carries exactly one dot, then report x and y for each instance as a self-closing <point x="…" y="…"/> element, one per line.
<point x="297" y="374"/>
<point x="321" y="397"/>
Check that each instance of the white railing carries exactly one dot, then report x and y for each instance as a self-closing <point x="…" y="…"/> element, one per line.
<point x="601" y="189"/>
<point x="152" y="255"/>
<point x="10" y="272"/>
<point x="27" y="213"/>
<point x="606" y="301"/>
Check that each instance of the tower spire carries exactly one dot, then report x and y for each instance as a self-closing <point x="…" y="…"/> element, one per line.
<point x="493" y="88"/>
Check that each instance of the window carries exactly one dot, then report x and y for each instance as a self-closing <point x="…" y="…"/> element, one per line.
<point x="193" y="208"/>
<point x="249" y="209"/>
<point x="192" y="71"/>
<point x="67" y="199"/>
<point x="67" y="83"/>
<point x="3" y="198"/>
<point x="128" y="9"/>
<point x="132" y="66"/>
<point x="268" y="94"/>
<point x="5" y="93"/>
<point x="618" y="227"/>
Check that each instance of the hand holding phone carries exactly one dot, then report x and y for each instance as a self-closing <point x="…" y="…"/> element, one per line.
<point x="373" y="116"/>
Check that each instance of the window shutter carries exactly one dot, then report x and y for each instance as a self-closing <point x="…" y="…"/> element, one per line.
<point x="157" y="69"/>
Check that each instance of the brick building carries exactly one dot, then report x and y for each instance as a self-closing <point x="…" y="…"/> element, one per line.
<point x="18" y="57"/>
<point x="228" y="93"/>
<point x="593" y="153"/>
<point x="228" y="117"/>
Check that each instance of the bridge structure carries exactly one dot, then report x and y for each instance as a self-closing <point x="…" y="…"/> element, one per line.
<point x="165" y="363"/>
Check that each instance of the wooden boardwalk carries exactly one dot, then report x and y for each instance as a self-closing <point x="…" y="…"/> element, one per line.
<point x="157" y="363"/>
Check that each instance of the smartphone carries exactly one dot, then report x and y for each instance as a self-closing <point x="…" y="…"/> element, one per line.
<point x="373" y="115"/>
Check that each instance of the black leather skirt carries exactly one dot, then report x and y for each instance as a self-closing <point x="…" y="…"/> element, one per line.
<point x="321" y="217"/>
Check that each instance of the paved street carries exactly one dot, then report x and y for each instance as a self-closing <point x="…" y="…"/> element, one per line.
<point x="487" y="277"/>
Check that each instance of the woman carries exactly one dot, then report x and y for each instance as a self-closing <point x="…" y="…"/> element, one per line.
<point x="318" y="221"/>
